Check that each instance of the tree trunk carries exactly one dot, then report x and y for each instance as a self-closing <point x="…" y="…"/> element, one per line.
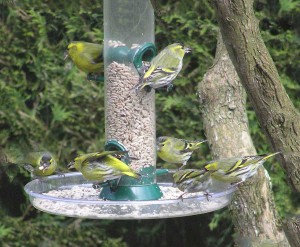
<point x="276" y="114"/>
<point x="292" y="228"/>
<point x="222" y="101"/>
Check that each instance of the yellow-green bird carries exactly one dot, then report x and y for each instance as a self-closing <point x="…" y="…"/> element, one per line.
<point x="40" y="164"/>
<point x="174" y="150"/>
<point x="193" y="180"/>
<point x="102" y="166"/>
<point x="164" y="67"/>
<point x="86" y="56"/>
<point x="237" y="169"/>
<point x="219" y="175"/>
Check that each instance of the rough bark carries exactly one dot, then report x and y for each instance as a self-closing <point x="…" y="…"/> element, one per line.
<point x="276" y="114"/>
<point x="292" y="228"/>
<point x="222" y="101"/>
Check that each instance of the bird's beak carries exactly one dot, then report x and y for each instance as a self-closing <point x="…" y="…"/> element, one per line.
<point x="200" y="142"/>
<point x="66" y="55"/>
<point x="44" y="166"/>
<point x="187" y="49"/>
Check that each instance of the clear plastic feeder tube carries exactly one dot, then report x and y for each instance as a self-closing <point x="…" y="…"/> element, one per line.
<point x="129" y="116"/>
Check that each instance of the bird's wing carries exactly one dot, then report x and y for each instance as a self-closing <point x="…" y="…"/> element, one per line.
<point x="89" y="58"/>
<point x="33" y="158"/>
<point x="185" y="174"/>
<point x="96" y="170"/>
<point x="96" y="156"/>
<point x="28" y="167"/>
<point x="92" y="53"/>
<point x="161" y="65"/>
<point x="220" y="176"/>
<point x="167" y="60"/>
<point x="223" y="164"/>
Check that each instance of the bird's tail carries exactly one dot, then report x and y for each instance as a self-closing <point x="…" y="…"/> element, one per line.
<point x="270" y="155"/>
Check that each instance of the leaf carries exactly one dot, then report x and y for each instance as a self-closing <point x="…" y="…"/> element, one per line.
<point x="60" y="114"/>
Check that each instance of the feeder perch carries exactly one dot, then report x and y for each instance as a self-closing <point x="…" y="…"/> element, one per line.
<point x="129" y="126"/>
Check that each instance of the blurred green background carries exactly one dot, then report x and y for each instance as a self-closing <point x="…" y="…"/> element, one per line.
<point x="46" y="103"/>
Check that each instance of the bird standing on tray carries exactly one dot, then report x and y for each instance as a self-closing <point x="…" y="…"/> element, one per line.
<point x="163" y="68"/>
<point x="86" y="56"/>
<point x="219" y="175"/>
<point x="40" y="164"/>
<point x="193" y="180"/>
<point x="176" y="151"/>
<point x="236" y="169"/>
<point x="102" y="166"/>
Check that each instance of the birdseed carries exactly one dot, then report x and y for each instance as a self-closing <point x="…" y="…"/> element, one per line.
<point x="91" y="207"/>
<point x="130" y="115"/>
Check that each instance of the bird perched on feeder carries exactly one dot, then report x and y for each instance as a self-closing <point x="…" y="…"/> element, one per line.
<point x="236" y="169"/>
<point x="163" y="68"/>
<point x="193" y="180"/>
<point x="86" y="56"/>
<point x="102" y="166"/>
<point x="176" y="151"/>
<point x="219" y="175"/>
<point x="40" y="164"/>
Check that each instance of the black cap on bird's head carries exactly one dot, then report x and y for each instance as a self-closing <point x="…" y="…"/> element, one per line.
<point x="160" y="142"/>
<point x="46" y="160"/>
<point x="161" y="139"/>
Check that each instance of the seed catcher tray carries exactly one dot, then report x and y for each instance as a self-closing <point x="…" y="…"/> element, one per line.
<point x="74" y="196"/>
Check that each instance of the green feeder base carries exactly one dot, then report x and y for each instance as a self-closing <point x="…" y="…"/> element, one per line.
<point x="130" y="189"/>
<point x="132" y="193"/>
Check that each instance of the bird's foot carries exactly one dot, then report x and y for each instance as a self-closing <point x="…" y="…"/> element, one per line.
<point x="60" y="174"/>
<point x="181" y="197"/>
<point x="207" y="195"/>
<point x="96" y="186"/>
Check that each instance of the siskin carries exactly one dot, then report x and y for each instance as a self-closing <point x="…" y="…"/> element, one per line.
<point x="176" y="151"/>
<point x="102" y="167"/>
<point x="86" y="56"/>
<point x="219" y="175"/>
<point x="40" y="164"/>
<point x="164" y="67"/>
<point x="235" y="170"/>
<point x="193" y="180"/>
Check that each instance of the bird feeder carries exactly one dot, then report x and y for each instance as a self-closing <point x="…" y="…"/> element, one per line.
<point x="129" y="126"/>
<point x="130" y="116"/>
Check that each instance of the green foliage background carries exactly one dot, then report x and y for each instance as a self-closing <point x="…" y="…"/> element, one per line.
<point x="46" y="103"/>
